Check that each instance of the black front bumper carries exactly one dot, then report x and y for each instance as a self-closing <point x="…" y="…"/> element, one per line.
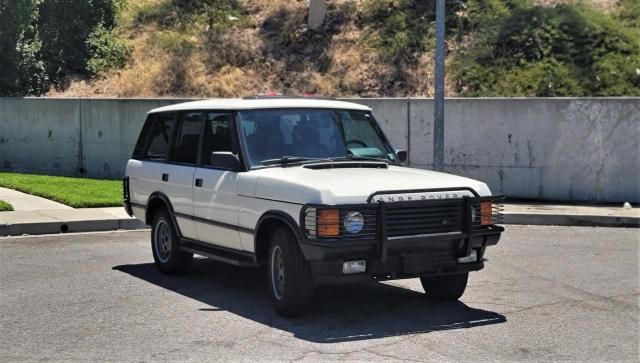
<point x="430" y="239"/>
<point x="403" y="258"/>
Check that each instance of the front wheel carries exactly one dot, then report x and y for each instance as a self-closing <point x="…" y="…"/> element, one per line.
<point x="165" y="245"/>
<point x="290" y="281"/>
<point x="445" y="287"/>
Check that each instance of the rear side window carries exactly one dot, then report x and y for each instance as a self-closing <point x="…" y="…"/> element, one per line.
<point x="138" y="150"/>
<point x="217" y="135"/>
<point x="160" y="137"/>
<point x="186" y="150"/>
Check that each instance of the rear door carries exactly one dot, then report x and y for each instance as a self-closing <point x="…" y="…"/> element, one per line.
<point x="216" y="189"/>
<point x="178" y="175"/>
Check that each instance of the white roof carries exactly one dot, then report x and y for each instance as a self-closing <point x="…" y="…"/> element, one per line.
<point x="261" y="103"/>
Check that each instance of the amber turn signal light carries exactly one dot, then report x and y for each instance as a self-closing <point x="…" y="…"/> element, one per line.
<point x="328" y="223"/>
<point x="486" y="213"/>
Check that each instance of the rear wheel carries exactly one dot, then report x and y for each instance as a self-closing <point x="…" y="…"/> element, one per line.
<point x="445" y="287"/>
<point x="165" y="245"/>
<point x="290" y="282"/>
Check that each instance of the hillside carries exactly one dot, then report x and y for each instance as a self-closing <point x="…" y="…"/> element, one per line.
<point x="225" y="48"/>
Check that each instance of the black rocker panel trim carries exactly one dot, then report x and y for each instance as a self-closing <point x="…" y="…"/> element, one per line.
<point x="218" y="253"/>
<point x="216" y="223"/>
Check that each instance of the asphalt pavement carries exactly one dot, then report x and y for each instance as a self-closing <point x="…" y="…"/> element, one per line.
<point x="547" y="293"/>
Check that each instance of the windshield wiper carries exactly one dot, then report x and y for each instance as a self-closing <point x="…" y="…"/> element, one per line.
<point x="287" y="159"/>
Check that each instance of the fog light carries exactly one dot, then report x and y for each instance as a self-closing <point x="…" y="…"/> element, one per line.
<point x="354" y="267"/>
<point x="473" y="256"/>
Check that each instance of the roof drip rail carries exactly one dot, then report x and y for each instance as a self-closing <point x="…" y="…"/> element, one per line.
<point x="279" y="96"/>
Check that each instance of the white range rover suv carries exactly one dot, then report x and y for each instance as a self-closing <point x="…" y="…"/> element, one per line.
<point x="309" y="188"/>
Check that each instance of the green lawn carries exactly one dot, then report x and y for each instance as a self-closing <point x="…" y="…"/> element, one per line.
<point x="4" y="206"/>
<point x="74" y="192"/>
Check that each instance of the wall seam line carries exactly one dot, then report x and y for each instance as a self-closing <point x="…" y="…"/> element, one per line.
<point x="409" y="130"/>
<point x="80" y="140"/>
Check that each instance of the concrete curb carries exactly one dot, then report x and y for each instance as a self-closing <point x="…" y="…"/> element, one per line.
<point x="111" y="219"/>
<point x="52" y="227"/>
<point x="571" y="220"/>
<point x="63" y="221"/>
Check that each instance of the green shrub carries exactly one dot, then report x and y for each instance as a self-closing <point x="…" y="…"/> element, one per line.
<point x="400" y="28"/>
<point x="567" y="33"/>
<point x="616" y="75"/>
<point x="105" y="51"/>
<point x="548" y="78"/>
<point x="567" y="50"/>
<point x="629" y="13"/>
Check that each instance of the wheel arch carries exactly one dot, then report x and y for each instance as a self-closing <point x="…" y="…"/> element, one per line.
<point x="265" y="226"/>
<point x="158" y="201"/>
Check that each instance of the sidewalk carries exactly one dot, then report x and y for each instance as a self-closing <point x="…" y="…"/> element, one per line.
<point x="35" y="215"/>
<point x="571" y="215"/>
<point x="67" y="219"/>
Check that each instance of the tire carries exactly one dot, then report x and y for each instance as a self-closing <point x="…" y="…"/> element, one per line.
<point x="165" y="245"/>
<point x="446" y="287"/>
<point x="290" y="281"/>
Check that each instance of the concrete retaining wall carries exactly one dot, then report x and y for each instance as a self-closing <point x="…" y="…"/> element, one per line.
<point x="553" y="149"/>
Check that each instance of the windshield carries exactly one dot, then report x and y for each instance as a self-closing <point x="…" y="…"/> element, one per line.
<point x="299" y="135"/>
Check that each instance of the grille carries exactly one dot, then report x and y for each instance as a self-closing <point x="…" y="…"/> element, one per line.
<point x="404" y="219"/>
<point x="436" y="217"/>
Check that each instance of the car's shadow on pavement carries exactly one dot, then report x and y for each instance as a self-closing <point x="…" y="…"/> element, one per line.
<point x="340" y="313"/>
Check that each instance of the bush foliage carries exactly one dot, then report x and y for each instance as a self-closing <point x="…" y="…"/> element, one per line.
<point x="567" y="50"/>
<point x="105" y="50"/>
<point x="402" y="28"/>
<point x="43" y="41"/>
<point x="22" y="70"/>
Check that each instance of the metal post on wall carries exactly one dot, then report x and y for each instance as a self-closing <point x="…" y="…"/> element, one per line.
<point x="438" y="109"/>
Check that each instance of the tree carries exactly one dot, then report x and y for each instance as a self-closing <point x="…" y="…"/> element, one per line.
<point x="65" y="26"/>
<point x="22" y="70"/>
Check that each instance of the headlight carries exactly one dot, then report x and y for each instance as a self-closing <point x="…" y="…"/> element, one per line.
<point x="353" y="222"/>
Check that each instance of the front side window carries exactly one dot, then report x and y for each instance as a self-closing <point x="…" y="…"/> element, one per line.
<point x="161" y="135"/>
<point x="217" y="135"/>
<point x="311" y="134"/>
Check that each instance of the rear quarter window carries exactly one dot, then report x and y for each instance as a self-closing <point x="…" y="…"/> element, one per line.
<point x="138" y="150"/>
<point x="160" y="136"/>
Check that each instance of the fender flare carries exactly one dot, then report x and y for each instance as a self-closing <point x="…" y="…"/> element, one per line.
<point x="167" y="203"/>
<point x="279" y="216"/>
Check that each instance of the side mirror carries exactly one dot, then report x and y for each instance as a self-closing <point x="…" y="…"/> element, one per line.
<point x="225" y="160"/>
<point x="402" y="155"/>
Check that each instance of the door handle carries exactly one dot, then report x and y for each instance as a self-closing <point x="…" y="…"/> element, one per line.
<point x="199" y="182"/>
<point x="165" y="177"/>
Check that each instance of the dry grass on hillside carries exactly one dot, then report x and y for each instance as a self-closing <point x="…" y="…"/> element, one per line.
<point x="275" y="51"/>
<point x="269" y="49"/>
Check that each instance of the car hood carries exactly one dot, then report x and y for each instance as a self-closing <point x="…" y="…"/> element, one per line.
<point x="346" y="185"/>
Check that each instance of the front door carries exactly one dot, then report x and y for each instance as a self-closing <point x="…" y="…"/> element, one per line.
<point x="216" y="189"/>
